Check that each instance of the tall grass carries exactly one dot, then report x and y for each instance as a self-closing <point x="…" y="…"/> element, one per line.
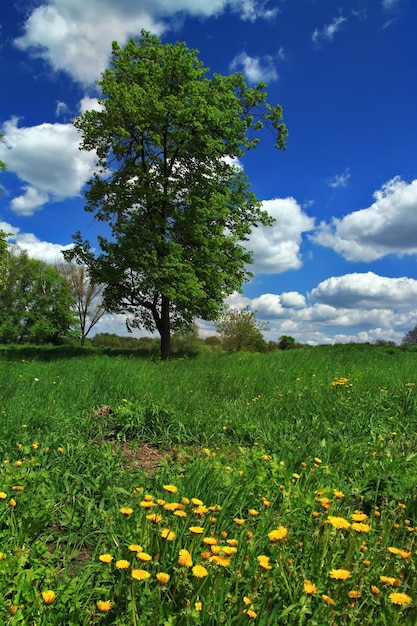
<point x="295" y="440"/>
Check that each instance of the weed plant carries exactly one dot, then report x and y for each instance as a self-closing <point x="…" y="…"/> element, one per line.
<point x="291" y="498"/>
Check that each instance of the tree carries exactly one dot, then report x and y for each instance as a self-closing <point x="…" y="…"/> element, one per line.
<point x="240" y="330"/>
<point x="35" y="304"/>
<point x="286" y="342"/>
<point x="3" y="259"/>
<point x="88" y="296"/>
<point x="410" y="338"/>
<point x="167" y="185"/>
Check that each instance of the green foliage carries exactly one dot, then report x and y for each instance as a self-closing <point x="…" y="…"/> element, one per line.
<point x="240" y="330"/>
<point x="286" y="342"/>
<point x="35" y="303"/>
<point x="178" y="209"/>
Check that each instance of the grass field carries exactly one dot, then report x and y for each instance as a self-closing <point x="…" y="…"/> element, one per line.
<point x="285" y="491"/>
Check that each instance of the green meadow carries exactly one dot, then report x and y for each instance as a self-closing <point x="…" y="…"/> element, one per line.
<point x="275" y="488"/>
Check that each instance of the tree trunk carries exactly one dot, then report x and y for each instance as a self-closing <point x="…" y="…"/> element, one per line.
<point x="165" y="329"/>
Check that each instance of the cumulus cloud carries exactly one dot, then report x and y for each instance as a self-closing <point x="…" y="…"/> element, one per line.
<point x="69" y="36"/>
<point x="388" y="226"/>
<point x="35" y="248"/>
<point x="354" y="307"/>
<point x="328" y="31"/>
<point x="255" y="69"/>
<point x="276" y="248"/>
<point x="365" y="291"/>
<point x="48" y="160"/>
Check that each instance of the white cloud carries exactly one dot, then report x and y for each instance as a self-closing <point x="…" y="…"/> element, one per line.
<point x="75" y="36"/>
<point x="387" y="5"/>
<point x="255" y="69"/>
<point x="61" y="108"/>
<point x="340" y="180"/>
<point x="48" y="160"/>
<point x="90" y="104"/>
<point x="366" y="291"/>
<point x="276" y="248"/>
<point x="354" y="307"/>
<point x="388" y="226"/>
<point x="328" y="31"/>
<point x="35" y="248"/>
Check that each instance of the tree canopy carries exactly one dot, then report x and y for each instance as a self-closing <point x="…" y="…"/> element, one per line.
<point x="167" y="184"/>
<point x="240" y="330"/>
<point x="35" y="302"/>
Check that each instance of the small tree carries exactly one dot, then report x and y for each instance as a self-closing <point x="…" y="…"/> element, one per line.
<point x="35" y="303"/>
<point x="240" y="330"/>
<point x="410" y="338"/>
<point x="286" y="342"/>
<point x="178" y="208"/>
<point x="88" y="296"/>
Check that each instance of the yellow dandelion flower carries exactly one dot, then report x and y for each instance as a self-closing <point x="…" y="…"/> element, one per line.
<point x="279" y="533"/>
<point x="148" y="497"/>
<point x="216" y="549"/>
<point x="12" y="502"/>
<point x="210" y="541"/>
<point x="140" y="574"/>
<point x="185" y="559"/>
<point x="239" y="521"/>
<point x="144" y="556"/>
<point x="197" y="502"/>
<point x="340" y="574"/>
<point x="103" y="605"/>
<point x="122" y="564"/>
<point x="160" y="501"/>
<point x="232" y="542"/>
<point x="3" y="495"/>
<point x="168" y="534"/>
<point x="251" y="613"/>
<point x="156" y="518"/>
<point x="338" y="494"/>
<point x="354" y="594"/>
<point x="206" y="554"/>
<point x="198" y="606"/>
<point x="185" y="500"/>
<point x="147" y="504"/>
<point x="310" y="587"/>
<point x="172" y="506"/>
<point x="48" y="596"/>
<point x="317" y="460"/>
<point x="327" y="599"/>
<point x="360" y="528"/>
<point x="60" y="449"/>
<point x="18" y="488"/>
<point x="200" y="510"/>
<point x="264" y="561"/>
<point x="295" y="475"/>
<point x="358" y="516"/>
<point x="134" y="547"/>
<point x="229" y="550"/>
<point x="126" y="510"/>
<point x="199" y="571"/>
<point x="223" y="561"/>
<point x="389" y="580"/>
<point x="399" y="598"/>
<point x="253" y="512"/>
<point x="266" y="503"/>
<point x="196" y="530"/>
<point x="366" y="563"/>
<point x="163" y="578"/>
<point x="180" y="513"/>
<point x="403" y="553"/>
<point x="171" y="488"/>
<point x="19" y="463"/>
<point x="105" y="558"/>
<point x="338" y="522"/>
<point x="375" y="590"/>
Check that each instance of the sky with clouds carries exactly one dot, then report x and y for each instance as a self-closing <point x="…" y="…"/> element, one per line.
<point x="339" y="263"/>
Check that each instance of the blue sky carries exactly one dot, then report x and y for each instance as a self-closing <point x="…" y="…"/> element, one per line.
<point x="339" y="264"/>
